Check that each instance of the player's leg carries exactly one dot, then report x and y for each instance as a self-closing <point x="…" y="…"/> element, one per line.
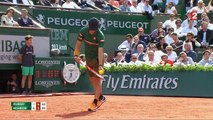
<point x="23" y="80"/>
<point x="99" y="99"/>
<point x="97" y="91"/>
<point x="29" y="84"/>
<point x="30" y="77"/>
<point x="25" y="72"/>
<point x="96" y="82"/>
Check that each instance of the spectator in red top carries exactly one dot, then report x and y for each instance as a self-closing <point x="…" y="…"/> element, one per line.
<point x="165" y="60"/>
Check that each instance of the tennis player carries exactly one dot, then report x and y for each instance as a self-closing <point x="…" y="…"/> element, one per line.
<point x="93" y="39"/>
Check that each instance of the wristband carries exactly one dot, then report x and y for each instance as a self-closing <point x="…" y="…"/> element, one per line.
<point x="76" y="52"/>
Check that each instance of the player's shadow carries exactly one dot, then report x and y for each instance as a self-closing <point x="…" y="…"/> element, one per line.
<point x="75" y="114"/>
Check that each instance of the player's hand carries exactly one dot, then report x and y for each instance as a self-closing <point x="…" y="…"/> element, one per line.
<point x="193" y="40"/>
<point x="101" y="70"/>
<point x="77" y="59"/>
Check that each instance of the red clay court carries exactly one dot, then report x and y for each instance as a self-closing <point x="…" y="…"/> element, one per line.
<point x="74" y="106"/>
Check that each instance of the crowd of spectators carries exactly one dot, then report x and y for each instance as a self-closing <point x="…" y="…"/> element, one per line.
<point x="161" y="53"/>
<point x="174" y="41"/>
<point x="148" y="7"/>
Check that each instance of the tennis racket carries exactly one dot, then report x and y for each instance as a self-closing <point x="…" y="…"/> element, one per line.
<point x="88" y="67"/>
<point x="93" y="71"/>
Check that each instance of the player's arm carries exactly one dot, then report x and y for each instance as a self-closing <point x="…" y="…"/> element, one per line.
<point x="20" y="57"/>
<point x="78" y="47"/>
<point x="100" y="56"/>
<point x="21" y="52"/>
<point x="101" y="52"/>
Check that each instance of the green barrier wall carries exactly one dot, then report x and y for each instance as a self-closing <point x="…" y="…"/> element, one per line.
<point x="192" y="84"/>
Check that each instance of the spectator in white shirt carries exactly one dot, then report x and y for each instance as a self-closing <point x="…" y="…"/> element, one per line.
<point x="151" y="59"/>
<point x="179" y="29"/>
<point x="190" y="28"/>
<point x="119" y="59"/>
<point x="172" y="55"/>
<point x="184" y="60"/>
<point x="206" y="59"/>
<point x="168" y="38"/>
<point x="135" y="7"/>
<point x="106" y="63"/>
<point x="127" y="42"/>
<point x="27" y="2"/>
<point x="200" y="8"/>
<point x="171" y="9"/>
<point x="134" y="60"/>
<point x="170" y="23"/>
<point x="70" y="4"/>
<point x="147" y="8"/>
<point x="157" y="53"/>
<point x="186" y="21"/>
<point x="7" y="20"/>
<point x="141" y="4"/>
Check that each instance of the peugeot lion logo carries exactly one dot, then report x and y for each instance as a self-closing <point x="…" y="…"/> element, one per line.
<point x="102" y="24"/>
<point x="41" y="18"/>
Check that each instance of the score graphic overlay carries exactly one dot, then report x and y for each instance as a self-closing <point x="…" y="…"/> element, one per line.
<point x="29" y="105"/>
<point x="193" y="15"/>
